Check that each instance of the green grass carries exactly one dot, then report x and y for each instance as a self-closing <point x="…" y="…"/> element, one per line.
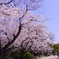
<point x="58" y="58"/>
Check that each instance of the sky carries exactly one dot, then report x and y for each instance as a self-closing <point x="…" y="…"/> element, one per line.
<point x="50" y="9"/>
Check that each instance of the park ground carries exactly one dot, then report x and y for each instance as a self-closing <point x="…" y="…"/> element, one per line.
<point x="49" y="57"/>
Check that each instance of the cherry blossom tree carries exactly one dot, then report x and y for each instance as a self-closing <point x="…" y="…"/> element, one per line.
<point x="36" y="38"/>
<point x="6" y="24"/>
<point x="20" y="28"/>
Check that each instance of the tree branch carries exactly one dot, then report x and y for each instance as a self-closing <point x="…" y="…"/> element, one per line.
<point x="15" y="37"/>
<point x="6" y="3"/>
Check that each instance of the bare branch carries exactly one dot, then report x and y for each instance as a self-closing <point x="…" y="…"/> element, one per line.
<point x="6" y="3"/>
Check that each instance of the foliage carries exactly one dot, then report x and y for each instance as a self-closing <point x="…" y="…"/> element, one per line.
<point x="17" y="54"/>
<point x="27" y="55"/>
<point x="56" y="48"/>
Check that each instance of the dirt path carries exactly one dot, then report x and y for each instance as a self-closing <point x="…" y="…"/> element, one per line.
<point x="53" y="57"/>
<point x="50" y="57"/>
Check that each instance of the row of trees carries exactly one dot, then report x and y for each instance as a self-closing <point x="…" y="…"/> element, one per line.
<point x="55" y="50"/>
<point x="21" y="29"/>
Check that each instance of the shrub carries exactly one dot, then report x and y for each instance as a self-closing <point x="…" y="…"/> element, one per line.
<point x="27" y="55"/>
<point x="19" y="55"/>
<point x="15" y="54"/>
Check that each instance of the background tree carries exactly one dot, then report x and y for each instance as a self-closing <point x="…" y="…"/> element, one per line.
<point x="55" y="50"/>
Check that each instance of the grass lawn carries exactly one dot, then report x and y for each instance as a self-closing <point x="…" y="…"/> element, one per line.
<point x="58" y="58"/>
